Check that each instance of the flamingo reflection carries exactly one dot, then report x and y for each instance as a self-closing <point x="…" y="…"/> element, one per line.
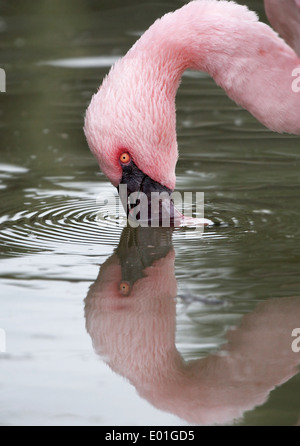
<point x="130" y="315"/>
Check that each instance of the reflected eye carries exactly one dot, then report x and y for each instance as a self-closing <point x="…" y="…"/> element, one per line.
<point x="125" y="158"/>
<point x="124" y="288"/>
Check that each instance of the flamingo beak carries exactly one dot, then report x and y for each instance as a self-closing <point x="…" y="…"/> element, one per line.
<point x="144" y="199"/>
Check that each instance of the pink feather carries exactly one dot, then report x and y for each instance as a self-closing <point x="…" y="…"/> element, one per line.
<point x="134" y="108"/>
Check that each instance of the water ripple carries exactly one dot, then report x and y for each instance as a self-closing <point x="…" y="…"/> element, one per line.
<point x="48" y="225"/>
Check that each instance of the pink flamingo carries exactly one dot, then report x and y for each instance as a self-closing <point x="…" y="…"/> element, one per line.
<point x="130" y="124"/>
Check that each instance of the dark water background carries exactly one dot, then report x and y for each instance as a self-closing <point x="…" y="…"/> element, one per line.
<point x="54" y="242"/>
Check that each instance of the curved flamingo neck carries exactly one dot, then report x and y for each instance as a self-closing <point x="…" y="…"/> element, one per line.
<point x="135" y="106"/>
<point x="245" y="57"/>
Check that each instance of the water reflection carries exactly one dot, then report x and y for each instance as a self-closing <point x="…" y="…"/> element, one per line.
<point x="130" y="315"/>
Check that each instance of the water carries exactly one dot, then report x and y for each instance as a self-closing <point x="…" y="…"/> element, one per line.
<point x="107" y="326"/>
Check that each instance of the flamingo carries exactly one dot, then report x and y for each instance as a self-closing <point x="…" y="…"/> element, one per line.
<point x="130" y="123"/>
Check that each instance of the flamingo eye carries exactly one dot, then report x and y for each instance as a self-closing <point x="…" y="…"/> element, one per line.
<point x="124" y="288"/>
<point x="125" y="158"/>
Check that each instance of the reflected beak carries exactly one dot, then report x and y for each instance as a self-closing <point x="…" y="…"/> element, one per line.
<point x="146" y="201"/>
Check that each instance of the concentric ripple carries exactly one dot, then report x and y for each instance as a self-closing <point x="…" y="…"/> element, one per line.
<point x="55" y="222"/>
<point x="49" y="223"/>
<point x="68" y="215"/>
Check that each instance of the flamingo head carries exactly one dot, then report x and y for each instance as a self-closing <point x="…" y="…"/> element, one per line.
<point x="130" y="128"/>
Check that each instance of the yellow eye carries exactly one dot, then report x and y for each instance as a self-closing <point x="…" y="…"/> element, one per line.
<point x="125" y="158"/>
<point x="124" y="288"/>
